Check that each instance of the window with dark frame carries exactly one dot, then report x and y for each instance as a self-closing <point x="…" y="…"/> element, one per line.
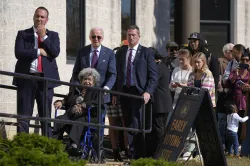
<point x="75" y="27"/>
<point x="127" y="16"/>
<point x="215" y="26"/>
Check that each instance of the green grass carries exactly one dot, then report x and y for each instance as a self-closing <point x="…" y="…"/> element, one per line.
<point x="231" y="161"/>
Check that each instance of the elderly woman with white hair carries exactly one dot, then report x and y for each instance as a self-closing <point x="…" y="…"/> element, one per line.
<point x="76" y="103"/>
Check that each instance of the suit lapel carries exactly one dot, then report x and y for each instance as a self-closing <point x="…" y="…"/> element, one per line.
<point x="31" y="37"/>
<point x="137" y="55"/>
<point x="101" y="57"/>
<point x="123" y="59"/>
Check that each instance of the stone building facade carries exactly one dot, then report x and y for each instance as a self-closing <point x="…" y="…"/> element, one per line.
<point x="153" y="18"/>
<point x="18" y="14"/>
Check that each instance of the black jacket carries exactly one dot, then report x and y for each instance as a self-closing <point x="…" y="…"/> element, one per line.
<point x="90" y="99"/>
<point x="162" y="97"/>
<point x="214" y="67"/>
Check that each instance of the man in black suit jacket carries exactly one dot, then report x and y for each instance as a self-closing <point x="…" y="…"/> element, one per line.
<point x="161" y="106"/>
<point x="35" y="49"/>
<point x="137" y="75"/>
<point x="104" y="63"/>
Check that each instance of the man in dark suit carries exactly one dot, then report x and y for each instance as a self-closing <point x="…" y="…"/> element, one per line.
<point x="99" y="57"/>
<point x="102" y="59"/>
<point x="35" y="49"/>
<point x="161" y="106"/>
<point x="137" y="75"/>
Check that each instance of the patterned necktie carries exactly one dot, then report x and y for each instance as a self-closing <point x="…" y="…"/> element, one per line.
<point x="94" y="59"/>
<point x="129" y="66"/>
<point x="39" y="58"/>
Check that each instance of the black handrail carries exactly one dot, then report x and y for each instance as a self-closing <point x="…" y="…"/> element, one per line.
<point x="26" y="76"/>
<point x="48" y="120"/>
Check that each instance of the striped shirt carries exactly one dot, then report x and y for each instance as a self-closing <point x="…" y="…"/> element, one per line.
<point x="207" y="82"/>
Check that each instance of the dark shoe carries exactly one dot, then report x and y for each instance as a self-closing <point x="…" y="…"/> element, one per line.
<point x="116" y="155"/>
<point x="128" y="153"/>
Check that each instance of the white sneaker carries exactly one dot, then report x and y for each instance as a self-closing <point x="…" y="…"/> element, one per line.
<point x="73" y="145"/>
<point x="239" y="149"/>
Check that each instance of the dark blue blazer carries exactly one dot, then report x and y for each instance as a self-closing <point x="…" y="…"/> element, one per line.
<point x="106" y="65"/>
<point x="25" y="54"/>
<point x="144" y="72"/>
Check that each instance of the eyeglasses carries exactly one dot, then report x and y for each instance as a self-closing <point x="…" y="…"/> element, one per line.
<point x="173" y="49"/>
<point x="98" y="37"/>
<point x="229" y="51"/>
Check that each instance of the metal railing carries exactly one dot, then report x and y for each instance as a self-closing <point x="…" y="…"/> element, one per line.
<point x="99" y="126"/>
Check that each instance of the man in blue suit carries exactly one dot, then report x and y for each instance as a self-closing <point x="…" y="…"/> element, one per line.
<point x="99" y="57"/>
<point x="137" y="75"/>
<point x="35" y="49"/>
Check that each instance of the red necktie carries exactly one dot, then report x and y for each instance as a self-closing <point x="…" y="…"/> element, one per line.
<point x="39" y="59"/>
<point x="129" y="65"/>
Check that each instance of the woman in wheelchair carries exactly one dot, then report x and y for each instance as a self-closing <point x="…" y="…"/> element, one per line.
<point x="76" y="104"/>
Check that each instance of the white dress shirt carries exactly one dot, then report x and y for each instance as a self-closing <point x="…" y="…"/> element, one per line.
<point x="134" y="50"/>
<point x="34" y="63"/>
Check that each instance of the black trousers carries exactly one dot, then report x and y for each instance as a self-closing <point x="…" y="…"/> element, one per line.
<point x="27" y="94"/>
<point x="74" y="131"/>
<point x="154" y="138"/>
<point x="132" y="114"/>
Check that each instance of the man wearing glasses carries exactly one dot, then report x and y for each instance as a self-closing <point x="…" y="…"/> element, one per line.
<point x="172" y="61"/>
<point x="99" y="57"/>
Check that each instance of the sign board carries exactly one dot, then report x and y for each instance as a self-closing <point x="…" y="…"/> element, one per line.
<point x="194" y="109"/>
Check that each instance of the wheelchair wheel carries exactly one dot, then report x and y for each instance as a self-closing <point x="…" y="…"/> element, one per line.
<point x="103" y="158"/>
<point x="92" y="157"/>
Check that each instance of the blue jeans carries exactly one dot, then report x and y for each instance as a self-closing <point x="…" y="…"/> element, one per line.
<point x="232" y="138"/>
<point x="222" y="122"/>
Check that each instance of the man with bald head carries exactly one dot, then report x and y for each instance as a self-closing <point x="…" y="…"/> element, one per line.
<point x="36" y="50"/>
<point x="96" y="56"/>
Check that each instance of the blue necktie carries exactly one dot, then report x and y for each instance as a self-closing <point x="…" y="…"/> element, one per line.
<point x="94" y="59"/>
<point x="129" y="66"/>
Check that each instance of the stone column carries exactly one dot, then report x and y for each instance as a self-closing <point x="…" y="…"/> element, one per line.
<point x="153" y="17"/>
<point x="187" y="19"/>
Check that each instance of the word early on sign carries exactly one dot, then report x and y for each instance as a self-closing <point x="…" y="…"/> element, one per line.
<point x="193" y="111"/>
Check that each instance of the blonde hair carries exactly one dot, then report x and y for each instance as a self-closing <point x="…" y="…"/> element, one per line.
<point x="201" y="56"/>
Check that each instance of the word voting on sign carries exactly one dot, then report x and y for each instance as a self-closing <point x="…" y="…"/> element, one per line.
<point x="193" y="112"/>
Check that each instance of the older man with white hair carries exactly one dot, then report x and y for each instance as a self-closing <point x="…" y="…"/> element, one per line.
<point x="99" y="57"/>
<point x="221" y="112"/>
<point x="228" y="56"/>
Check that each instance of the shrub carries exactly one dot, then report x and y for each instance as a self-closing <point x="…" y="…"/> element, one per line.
<point x="152" y="162"/>
<point x="33" y="149"/>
